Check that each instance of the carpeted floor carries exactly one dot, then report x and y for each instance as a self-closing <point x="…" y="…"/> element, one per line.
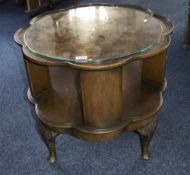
<point x="22" y="151"/>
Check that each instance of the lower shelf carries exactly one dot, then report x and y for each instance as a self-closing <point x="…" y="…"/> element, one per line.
<point x="60" y="106"/>
<point x="62" y="112"/>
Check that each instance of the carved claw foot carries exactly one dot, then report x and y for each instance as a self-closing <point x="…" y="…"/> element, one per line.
<point x="48" y="137"/>
<point x="146" y="134"/>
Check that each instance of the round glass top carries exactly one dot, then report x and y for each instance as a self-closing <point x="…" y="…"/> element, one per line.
<point x="93" y="33"/>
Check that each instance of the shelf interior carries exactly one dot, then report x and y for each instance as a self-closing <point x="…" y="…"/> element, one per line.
<point x="60" y="105"/>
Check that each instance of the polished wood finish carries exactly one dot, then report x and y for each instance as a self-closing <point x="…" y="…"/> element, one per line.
<point x="37" y="86"/>
<point x="98" y="85"/>
<point x="146" y="134"/>
<point x="31" y="5"/>
<point x="97" y="102"/>
<point x="48" y="136"/>
<point x="154" y="69"/>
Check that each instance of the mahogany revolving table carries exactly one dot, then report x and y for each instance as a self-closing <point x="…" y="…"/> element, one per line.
<point x="96" y="71"/>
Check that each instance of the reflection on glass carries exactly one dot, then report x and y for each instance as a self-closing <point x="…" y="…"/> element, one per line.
<point x="83" y="13"/>
<point x="88" y="13"/>
<point x="96" y="32"/>
<point x="103" y="13"/>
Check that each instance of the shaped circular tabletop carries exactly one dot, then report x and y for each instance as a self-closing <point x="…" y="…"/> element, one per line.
<point x="93" y="33"/>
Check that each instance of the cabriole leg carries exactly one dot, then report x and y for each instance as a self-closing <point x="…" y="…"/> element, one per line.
<point x="49" y="139"/>
<point x="146" y="134"/>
